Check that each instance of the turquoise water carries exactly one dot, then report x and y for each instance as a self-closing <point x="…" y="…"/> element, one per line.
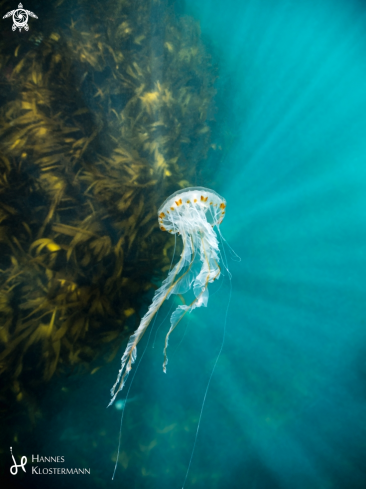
<point x="286" y="405"/>
<point x="294" y="372"/>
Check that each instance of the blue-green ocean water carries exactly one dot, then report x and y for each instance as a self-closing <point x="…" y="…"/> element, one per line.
<point x="286" y="404"/>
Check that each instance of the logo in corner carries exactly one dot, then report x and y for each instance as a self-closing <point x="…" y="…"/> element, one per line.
<point x="20" y="18"/>
<point x="14" y="468"/>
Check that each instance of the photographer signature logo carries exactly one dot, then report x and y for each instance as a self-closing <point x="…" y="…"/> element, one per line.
<point x="14" y="468"/>
<point x="20" y="18"/>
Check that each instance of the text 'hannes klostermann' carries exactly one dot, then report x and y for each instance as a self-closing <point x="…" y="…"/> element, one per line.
<point x="55" y="470"/>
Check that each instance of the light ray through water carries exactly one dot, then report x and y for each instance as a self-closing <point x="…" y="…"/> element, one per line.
<point x="297" y="176"/>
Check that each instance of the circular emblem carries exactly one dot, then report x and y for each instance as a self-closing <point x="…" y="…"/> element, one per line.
<point x="20" y="19"/>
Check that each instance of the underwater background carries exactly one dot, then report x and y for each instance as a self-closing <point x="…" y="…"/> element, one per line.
<point x="287" y="150"/>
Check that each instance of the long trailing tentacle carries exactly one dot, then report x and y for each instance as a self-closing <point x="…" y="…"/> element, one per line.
<point x="167" y="288"/>
<point x="207" y="274"/>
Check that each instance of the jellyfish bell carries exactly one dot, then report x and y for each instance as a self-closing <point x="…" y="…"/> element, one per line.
<point x="196" y="201"/>
<point x="193" y="213"/>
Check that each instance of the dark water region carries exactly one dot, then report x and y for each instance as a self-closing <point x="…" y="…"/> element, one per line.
<point x="286" y="404"/>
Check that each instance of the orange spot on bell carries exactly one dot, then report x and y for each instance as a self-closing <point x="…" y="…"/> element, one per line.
<point x="204" y="199"/>
<point x="172" y="208"/>
<point x="178" y="202"/>
<point x="161" y="215"/>
<point x="195" y="200"/>
<point x="222" y="205"/>
<point x="162" y="228"/>
<point x="188" y="201"/>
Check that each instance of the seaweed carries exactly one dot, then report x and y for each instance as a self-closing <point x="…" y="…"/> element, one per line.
<point x="102" y="117"/>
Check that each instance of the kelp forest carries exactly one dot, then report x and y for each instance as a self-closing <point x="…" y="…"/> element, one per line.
<point x="106" y="108"/>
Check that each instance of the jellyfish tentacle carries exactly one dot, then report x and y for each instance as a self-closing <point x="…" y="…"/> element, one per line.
<point x="180" y="282"/>
<point x="200" y="288"/>
<point x="181" y="311"/>
<point x="175" y="290"/>
<point x="160" y="296"/>
<point x="174" y="320"/>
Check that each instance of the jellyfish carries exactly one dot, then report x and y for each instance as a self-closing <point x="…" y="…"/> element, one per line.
<point x="193" y="213"/>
